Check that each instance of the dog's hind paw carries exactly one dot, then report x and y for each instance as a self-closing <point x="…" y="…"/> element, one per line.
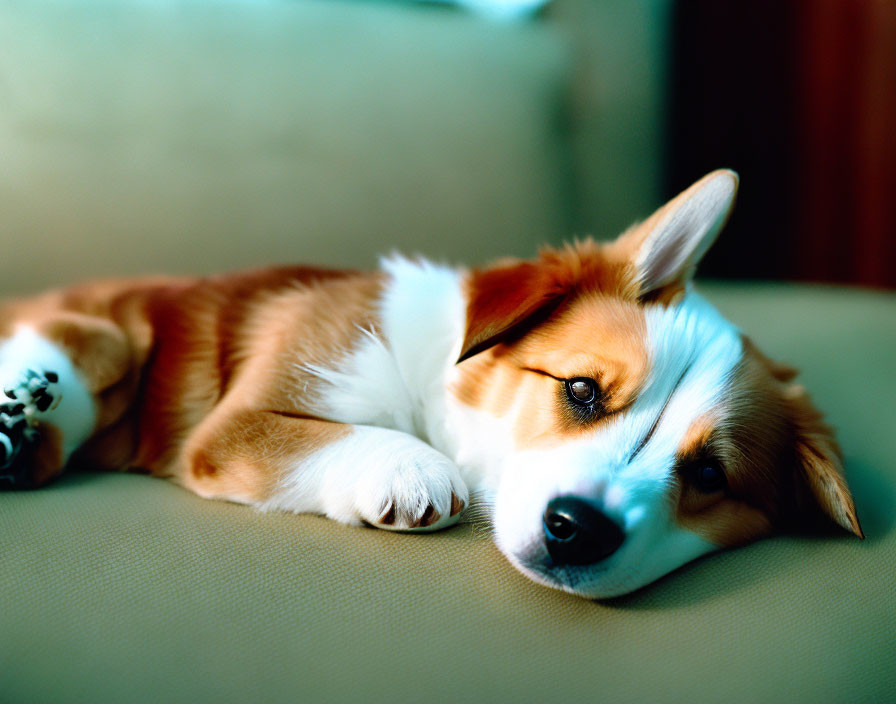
<point x="17" y="437"/>
<point x="36" y="392"/>
<point x="28" y="395"/>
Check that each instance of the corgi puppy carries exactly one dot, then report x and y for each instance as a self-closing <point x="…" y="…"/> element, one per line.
<point x="607" y="420"/>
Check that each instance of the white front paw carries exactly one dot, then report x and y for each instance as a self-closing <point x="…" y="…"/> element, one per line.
<point x="422" y="489"/>
<point x="397" y="483"/>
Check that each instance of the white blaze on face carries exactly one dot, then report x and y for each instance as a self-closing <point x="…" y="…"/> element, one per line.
<point x="627" y="464"/>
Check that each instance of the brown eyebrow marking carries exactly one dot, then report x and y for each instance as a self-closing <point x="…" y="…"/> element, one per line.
<point x="700" y="442"/>
<point x="656" y="422"/>
<point x="542" y="372"/>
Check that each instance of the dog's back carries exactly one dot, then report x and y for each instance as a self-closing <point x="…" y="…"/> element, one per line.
<point x="158" y="354"/>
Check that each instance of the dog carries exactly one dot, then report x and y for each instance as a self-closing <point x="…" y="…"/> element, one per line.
<point x="608" y="421"/>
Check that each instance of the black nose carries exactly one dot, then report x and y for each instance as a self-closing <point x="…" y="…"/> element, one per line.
<point x="578" y="533"/>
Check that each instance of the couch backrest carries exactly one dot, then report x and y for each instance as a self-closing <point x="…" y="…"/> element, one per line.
<point x="195" y="137"/>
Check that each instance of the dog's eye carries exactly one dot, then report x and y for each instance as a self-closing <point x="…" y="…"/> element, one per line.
<point x="709" y="476"/>
<point x="581" y="390"/>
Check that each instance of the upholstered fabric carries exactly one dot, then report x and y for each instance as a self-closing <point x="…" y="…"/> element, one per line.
<point x="125" y="588"/>
<point x="188" y="136"/>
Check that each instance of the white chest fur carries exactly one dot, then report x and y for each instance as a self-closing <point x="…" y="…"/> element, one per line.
<point x="396" y="377"/>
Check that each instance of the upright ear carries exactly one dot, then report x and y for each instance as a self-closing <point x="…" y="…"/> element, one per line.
<point x="504" y="299"/>
<point x="665" y="249"/>
<point x="820" y="467"/>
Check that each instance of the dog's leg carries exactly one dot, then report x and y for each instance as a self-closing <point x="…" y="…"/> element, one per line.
<point x="354" y="474"/>
<point x="50" y="373"/>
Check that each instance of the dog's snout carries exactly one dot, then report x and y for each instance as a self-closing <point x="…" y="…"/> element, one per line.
<point x="579" y="533"/>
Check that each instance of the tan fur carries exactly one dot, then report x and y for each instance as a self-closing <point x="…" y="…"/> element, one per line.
<point x="197" y="379"/>
<point x="584" y="317"/>
<point x="512" y="296"/>
<point x="751" y="443"/>
<point x="562" y="316"/>
<point x="623" y="253"/>
<point x="737" y="514"/>
<point x="594" y="336"/>
<point x="242" y="455"/>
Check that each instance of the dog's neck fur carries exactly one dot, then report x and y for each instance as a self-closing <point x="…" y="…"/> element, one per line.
<point x="397" y="376"/>
<point x="400" y="375"/>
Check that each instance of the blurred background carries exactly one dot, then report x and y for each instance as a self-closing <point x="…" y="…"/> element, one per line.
<point x="194" y="136"/>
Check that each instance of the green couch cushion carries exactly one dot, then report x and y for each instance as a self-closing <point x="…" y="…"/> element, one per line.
<point x="193" y="137"/>
<point x="127" y="589"/>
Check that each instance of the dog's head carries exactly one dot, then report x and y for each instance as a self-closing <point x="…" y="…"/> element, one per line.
<point x="629" y="428"/>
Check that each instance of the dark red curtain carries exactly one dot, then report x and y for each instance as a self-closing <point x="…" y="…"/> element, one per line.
<point x="800" y="98"/>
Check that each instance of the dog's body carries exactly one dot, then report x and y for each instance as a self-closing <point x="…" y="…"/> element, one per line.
<point x="613" y="423"/>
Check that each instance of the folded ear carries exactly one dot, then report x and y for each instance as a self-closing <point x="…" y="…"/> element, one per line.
<point x="664" y="250"/>
<point x="507" y="298"/>
<point x="820" y="467"/>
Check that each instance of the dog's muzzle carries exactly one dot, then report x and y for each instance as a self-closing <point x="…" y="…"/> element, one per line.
<point x="578" y="533"/>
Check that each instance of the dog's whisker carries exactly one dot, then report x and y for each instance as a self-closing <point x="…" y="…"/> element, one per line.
<point x="479" y="512"/>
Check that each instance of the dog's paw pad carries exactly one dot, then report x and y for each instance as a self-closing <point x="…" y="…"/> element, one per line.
<point x="27" y="395"/>
<point x="36" y="390"/>
<point x="17" y="436"/>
